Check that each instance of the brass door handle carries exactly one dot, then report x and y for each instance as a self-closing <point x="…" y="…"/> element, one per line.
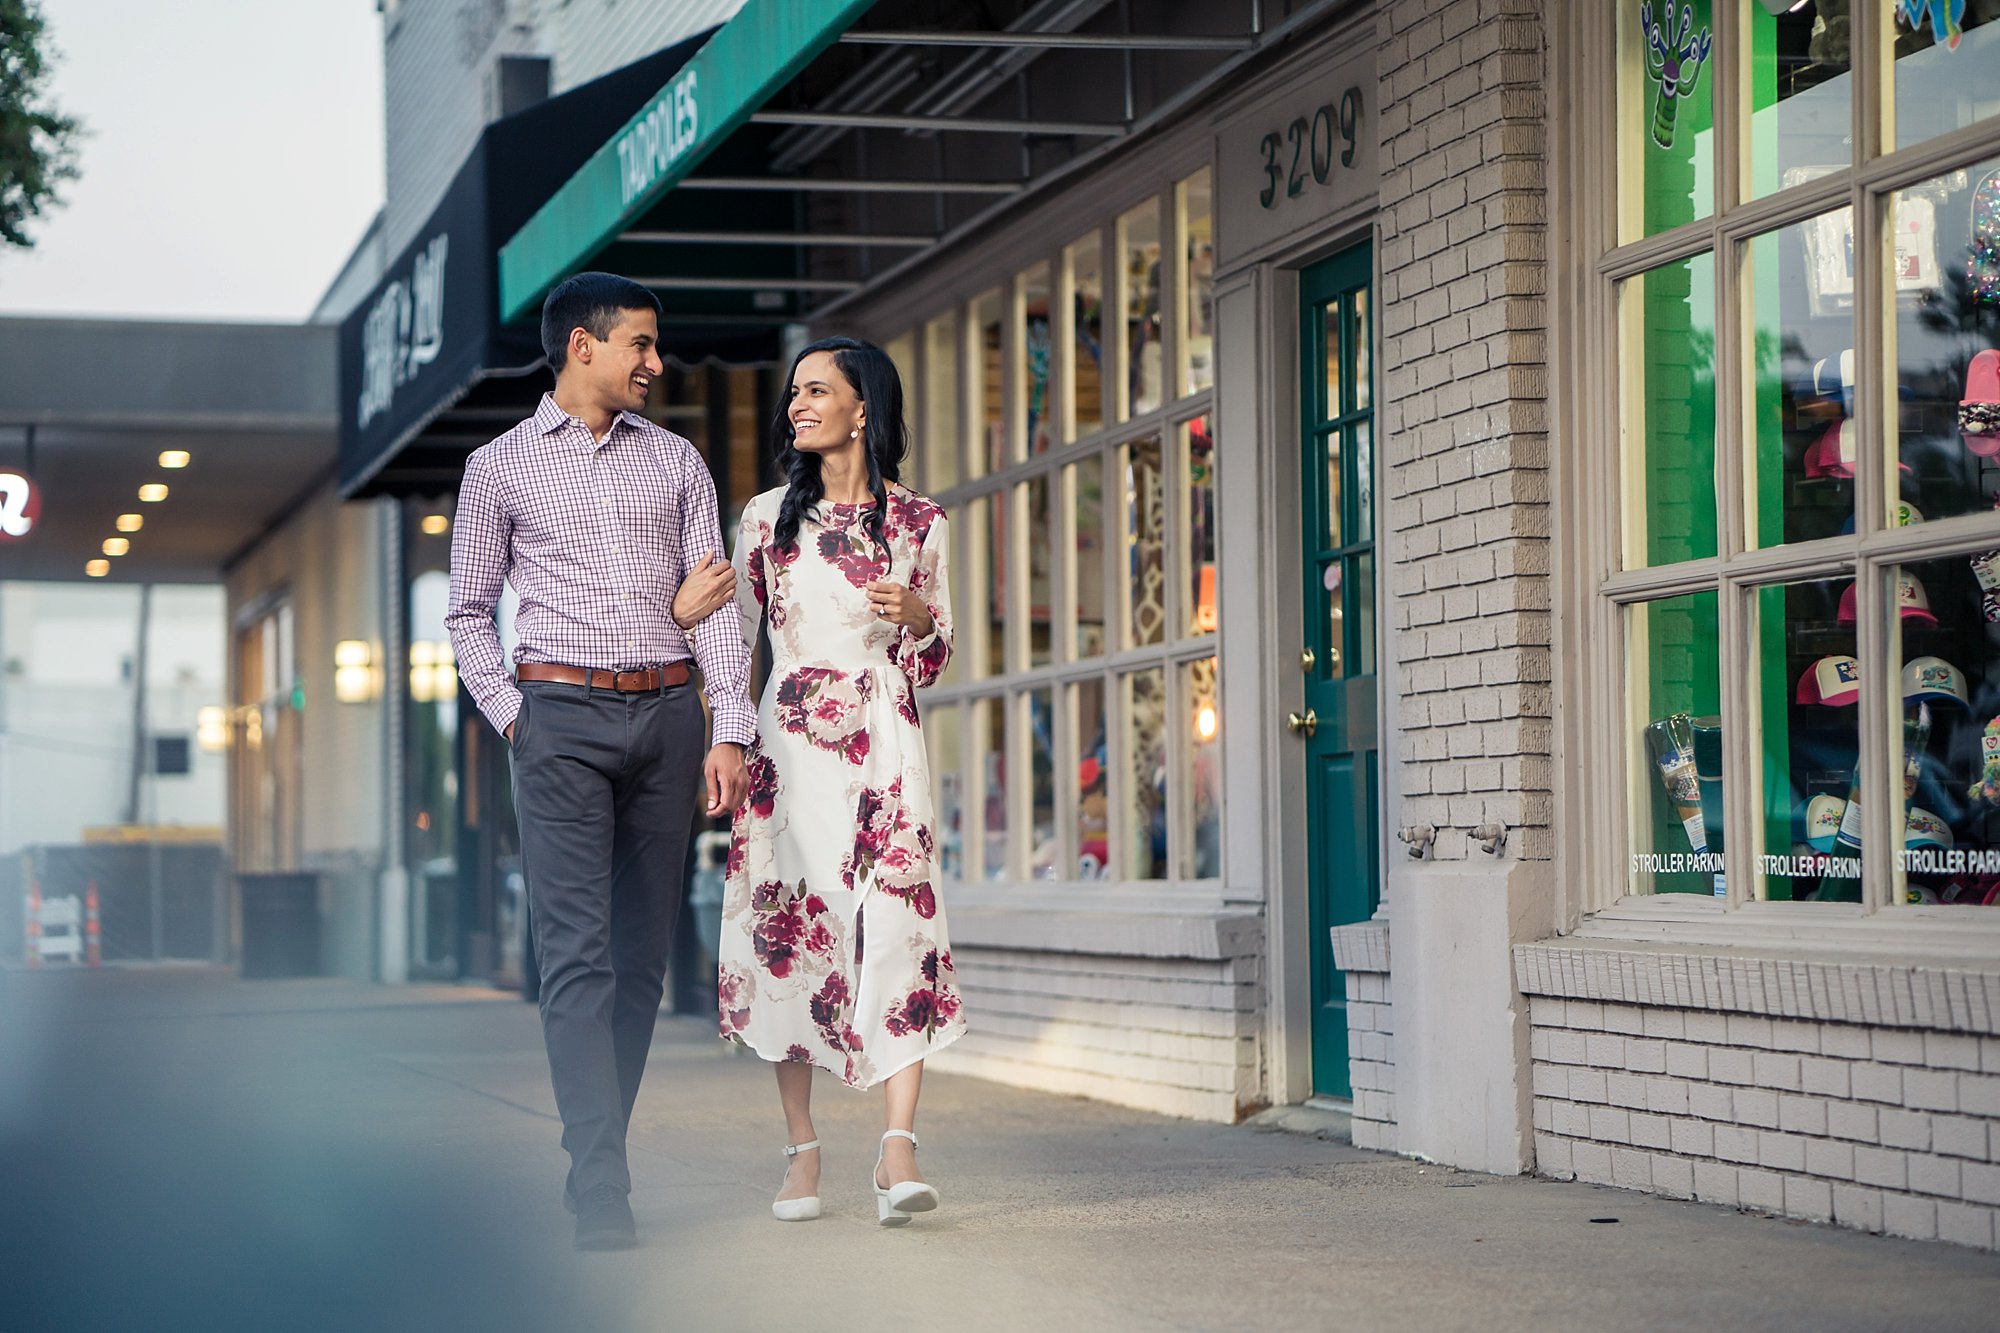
<point x="1304" y="725"/>
<point x="1307" y="661"/>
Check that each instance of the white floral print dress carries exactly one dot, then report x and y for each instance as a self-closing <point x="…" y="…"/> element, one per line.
<point x="834" y="949"/>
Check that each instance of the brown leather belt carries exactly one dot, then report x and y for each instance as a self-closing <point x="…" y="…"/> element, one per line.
<point x="625" y="682"/>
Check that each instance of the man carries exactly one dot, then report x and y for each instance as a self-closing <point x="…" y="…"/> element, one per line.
<point x="596" y="516"/>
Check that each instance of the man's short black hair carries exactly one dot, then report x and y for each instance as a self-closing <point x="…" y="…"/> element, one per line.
<point x="591" y="301"/>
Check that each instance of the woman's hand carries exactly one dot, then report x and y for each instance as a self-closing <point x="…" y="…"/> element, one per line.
<point x="899" y="606"/>
<point x="707" y="586"/>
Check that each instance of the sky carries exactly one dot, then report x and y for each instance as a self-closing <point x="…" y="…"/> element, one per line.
<point x="234" y="157"/>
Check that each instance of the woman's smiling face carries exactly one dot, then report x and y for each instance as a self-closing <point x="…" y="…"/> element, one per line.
<point x="825" y="410"/>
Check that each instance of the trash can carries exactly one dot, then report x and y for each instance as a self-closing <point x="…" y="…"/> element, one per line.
<point x="280" y="924"/>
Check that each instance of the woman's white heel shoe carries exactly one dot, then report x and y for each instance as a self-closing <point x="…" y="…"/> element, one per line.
<point x="797" y="1210"/>
<point x="894" y="1205"/>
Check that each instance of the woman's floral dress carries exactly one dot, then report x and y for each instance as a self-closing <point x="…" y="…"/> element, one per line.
<point x="834" y="949"/>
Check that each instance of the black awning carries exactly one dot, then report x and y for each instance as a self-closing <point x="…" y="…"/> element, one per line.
<point x="428" y="339"/>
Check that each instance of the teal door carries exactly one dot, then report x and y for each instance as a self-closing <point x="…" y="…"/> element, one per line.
<point x="1337" y="723"/>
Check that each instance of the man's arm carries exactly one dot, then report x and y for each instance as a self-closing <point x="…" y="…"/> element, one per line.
<point x="480" y="538"/>
<point x="718" y="640"/>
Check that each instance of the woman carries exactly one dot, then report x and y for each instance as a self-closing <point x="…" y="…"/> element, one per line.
<point x="834" y="950"/>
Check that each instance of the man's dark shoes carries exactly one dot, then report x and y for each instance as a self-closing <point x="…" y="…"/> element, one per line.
<point x="604" y="1220"/>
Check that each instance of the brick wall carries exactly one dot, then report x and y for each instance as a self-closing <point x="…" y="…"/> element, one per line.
<point x="1885" y="1125"/>
<point x="1464" y="417"/>
<point x="1361" y="952"/>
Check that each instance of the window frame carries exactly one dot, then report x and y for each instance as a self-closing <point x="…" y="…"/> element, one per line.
<point x="1593" y="855"/>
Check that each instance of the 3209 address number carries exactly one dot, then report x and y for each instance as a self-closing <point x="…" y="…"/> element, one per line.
<point x="1313" y="140"/>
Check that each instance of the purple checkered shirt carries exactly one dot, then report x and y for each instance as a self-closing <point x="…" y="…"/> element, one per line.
<point x="596" y="539"/>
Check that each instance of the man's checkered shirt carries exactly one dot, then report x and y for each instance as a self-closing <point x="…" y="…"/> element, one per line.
<point x="596" y="539"/>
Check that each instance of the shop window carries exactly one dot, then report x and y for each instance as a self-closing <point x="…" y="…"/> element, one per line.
<point x="1142" y="581"/>
<point x="1144" y="754"/>
<point x="1083" y="370"/>
<point x="1801" y="93"/>
<point x="1093" y="775"/>
<point x="1665" y="116"/>
<point x="1197" y="550"/>
<point x="1942" y="77"/>
<point x="1801" y="434"/>
<point x="1036" y="356"/>
<point x="989" y="385"/>
<point x="943" y="733"/>
<point x="1674" y="689"/>
<point x="1043" y="858"/>
<point x="1086" y="491"/>
<point x="903" y="355"/>
<point x="989" y="732"/>
<point x="1667" y="412"/>
<point x="1807" y="699"/>
<point x="940" y="425"/>
<point x="1201" y="812"/>
<point x="1197" y="296"/>
<point x="1139" y="283"/>
<point x="265" y="785"/>
<point x="1035" y="498"/>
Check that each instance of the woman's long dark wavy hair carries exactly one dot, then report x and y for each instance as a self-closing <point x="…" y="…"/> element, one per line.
<point x="885" y="438"/>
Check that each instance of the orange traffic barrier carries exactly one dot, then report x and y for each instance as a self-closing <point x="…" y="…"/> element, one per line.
<point x="92" y="934"/>
<point x="34" y="910"/>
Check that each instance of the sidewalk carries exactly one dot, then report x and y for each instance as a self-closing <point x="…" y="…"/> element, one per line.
<point x="181" y="1150"/>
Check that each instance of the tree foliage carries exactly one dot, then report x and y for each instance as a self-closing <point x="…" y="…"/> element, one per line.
<point x="37" y="143"/>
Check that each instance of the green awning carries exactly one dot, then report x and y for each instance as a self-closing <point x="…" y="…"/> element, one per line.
<point x="749" y="58"/>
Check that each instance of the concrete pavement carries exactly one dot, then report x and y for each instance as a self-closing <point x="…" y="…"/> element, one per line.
<point x="182" y="1150"/>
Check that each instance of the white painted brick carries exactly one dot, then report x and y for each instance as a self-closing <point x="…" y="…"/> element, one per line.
<point x="1730" y="1065"/>
<point x="1831" y="1158"/>
<point x="1608" y="1124"/>
<point x="1571" y="1119"/>
<point x="1733" y="1143"/>
<point x="1934" y="1175"/>
<point x="1627" y="1090"/>
<point x="1851" y="1120"/>
<point x="1906" y="1215"/>
<point x="1846" y="1040"/>
<point x="1710" y="1102"/>
<point x="1546" y="1011"/>
<point x="1668" y="1023"/>
<point x="1951" y="1050"/>
<point x="1757" y="1106"/>
<point x="1881" y="1166"/>
<point x="1687" y="1061"/>
<point x="1905" y="1129"/>
<point x="1667" y="1096"/>
<point x="1673" y="1176"/>
<point x="1715" y="1183"/>
<point x="1776" y="1070"/>
<point x="1552" y="1156"/>
<point x="1587" y="1085"/>
<point x="1898" y="1046"/>
<point x="1749" y="1030"/>
<point x="1631" y="1169"/>
<point x="1808" y="1198"/>
<point x="1966" y="1224"/>
<point x="1650" y="1131"/>
<point x="1565" y="1047"/>
<point x="1827" y="1078"/>
<point x="1857" y="1206"/>
<point x="1878" y="1083"/>
<point x="1646" y="1056"/>
<point x="1585" y="1015"/>
<point x="1989" y="1054"/>
<point x="1625" y="1018"/>
<point x="1693" y="1138"/>
<point x="1792" y="1035"/>
<point x="1605" y="1050"/>
<point x="1544" y="1117"/>
<point x="1957" y="1136"/>
<point x="1781" y="1152"/>
<point x="1802" y="1115"/>
<point x="1591" y="1162"/>
<point x="1710" y="1029"/>
<point x="1931" y="1089"/>
<point x="1763" y="1190"/>
<point x="1550" y="1080"/>
<point x="1979" y="1094"/>
<point x="1980" y="1183"/>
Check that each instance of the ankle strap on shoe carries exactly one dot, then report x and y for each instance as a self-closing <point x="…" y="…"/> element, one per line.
<point x="794" y="1149"/>
<point x="900" y="1134"/>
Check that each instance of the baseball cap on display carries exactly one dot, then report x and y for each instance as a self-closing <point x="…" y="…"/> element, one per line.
<point x="1924" y="829"/>
<point x="1902" y="516"/>
<point x="1933" y="678"/>
<point x="1834" y="453"/>
<point x="1823" y="816"/>
<point x="1833" y="377"/>
<point x="1910" y="596"/>
<point x="1834" y="681"/>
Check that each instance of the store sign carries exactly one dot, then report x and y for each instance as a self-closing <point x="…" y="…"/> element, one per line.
<point x="663" y="132"/>
<point x="1298" y="159"/>
<point x="20" y="506"/>
<point x="404" y="330"/>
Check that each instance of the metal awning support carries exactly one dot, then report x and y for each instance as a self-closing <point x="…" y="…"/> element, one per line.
<point x="834" y="185"/>
<point x="750" y="284"/>
<point x="1055" y="41"/>
<point x="865" y="120"/>
<point x="841" y="238"/>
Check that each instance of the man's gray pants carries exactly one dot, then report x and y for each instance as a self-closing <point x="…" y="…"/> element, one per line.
<point x="604" y="788"/>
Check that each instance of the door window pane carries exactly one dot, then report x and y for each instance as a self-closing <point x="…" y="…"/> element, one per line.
<point x="1143" y="853"/>
<point x="1041" y="724"/>
<point x="1093" y="788"/>
<point x="985" y="588"/>
<point x="1801" y="94"/>
<point x="1198" y="504"/>
<point x="1362" y="597"/>
<point x="1799" y="396"/>
<point x="1086" y="492"/>
<point x="1085" y="366"/>
<point x="1198" y="286"/>
<point x="1674" y="698"/>
<point x="1333" y="321"/>
<point x="1948" y="682"/>
<point x="1364" y="345"/>
<point x="1667" y="412"/>
<point x="990" y="399"/>
<point x="989" y="729"/>
<point x="1143" y="584"/>
<point x="1202" y="817"/>
<point x="943" y="728"/>
<point x="1038" y="355"/>
<point x="1945" y="349"/>
<point x="1807" y="692"/>
<point x="1942" y="79"/>
<point x="939" y="404"/>
<point x="1665" y="124"/>
<point x="1036" y="496"/>
<point x="1139" y="250"/>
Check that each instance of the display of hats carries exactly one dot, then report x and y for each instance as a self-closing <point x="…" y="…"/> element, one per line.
<point x="1823" y="816"/>
<point x="1979" y="410"/>
<point x="1933" y="678"/>
<point x="1910" y="596"/>
<point x="1924" y="829"/>
<point x="1833" y="377"/>
<point x="1902" y="516"/>
<point x="1834" y="681"/>
<point x="1836" y="451"/>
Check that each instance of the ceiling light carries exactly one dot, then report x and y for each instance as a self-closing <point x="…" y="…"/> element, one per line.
<point x="175" y="458"/>
<point x="435" y="525"/>
<point x="97" y="569"/>
<point x="116" y="546"/>
<point x="152" y="492"/>
<point x="131" y="522"/>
